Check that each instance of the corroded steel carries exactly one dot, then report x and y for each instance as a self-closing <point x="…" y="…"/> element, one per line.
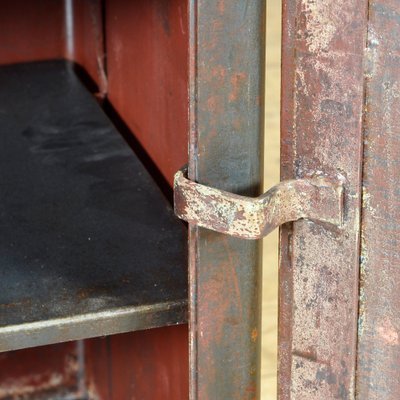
<point x="378" y="363"/>
<point x="322" y="110"/>
<point x="318" y="199"/>
<point x="226" y="123"/>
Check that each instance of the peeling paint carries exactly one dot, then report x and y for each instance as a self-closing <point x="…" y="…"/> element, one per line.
<point x="322" y="21"/>
<point x="379" y="323"/>
<point x="388" y="332"/>
<point x="227" y="64"/>
<point x="322" y="110"/>
<point x="318" y="199"/>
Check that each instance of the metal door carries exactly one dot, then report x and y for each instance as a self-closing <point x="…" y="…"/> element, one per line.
<point x="338" y="319"/>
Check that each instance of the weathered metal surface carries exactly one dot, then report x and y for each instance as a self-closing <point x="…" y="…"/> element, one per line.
<point x="322" y="108"/>
<point x="145" y="365"/>
<point x="50" y="372"/>
<point x="378" y="363"/>
<point x="147" y="67"/>
<point x="317" y="199"/>
<point x="226" y="121"/>
<point x="88" y="244"/>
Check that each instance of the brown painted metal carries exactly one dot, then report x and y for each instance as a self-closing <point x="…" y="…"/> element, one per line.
<point x="226" y="121"/>
<point x="147" y="43"/>
<point x="322" y="107"/>
<point x="244" y="217"/>
<point x="150" y="364"/>
<point x="378" y="363"/>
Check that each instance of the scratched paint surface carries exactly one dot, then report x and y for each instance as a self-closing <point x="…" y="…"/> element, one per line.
<point x="226" y="70"/>
<point x="379" y="323"/>
<point x="321" y="131"/>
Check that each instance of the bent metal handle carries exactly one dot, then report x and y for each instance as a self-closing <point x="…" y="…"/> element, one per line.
<point x="318" y="199"/>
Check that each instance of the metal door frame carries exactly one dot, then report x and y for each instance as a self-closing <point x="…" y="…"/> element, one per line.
<point x="226" y="65"/>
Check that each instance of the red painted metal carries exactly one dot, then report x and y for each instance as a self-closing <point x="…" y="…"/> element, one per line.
<point x="41" y="371"/>
<point x="322" y="109"/>
<point x="146" y="45"/>
<point x="31" y="30"/>
<point x="87" y="46"/>
<point x="150" y="364"/>
<point x="147" y="42"/>
<point x="379" y="321"/>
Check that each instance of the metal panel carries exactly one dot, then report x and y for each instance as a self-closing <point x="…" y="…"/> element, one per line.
<point x="50" y="372"/>
<point x="54" y="29"/>
<point x="226" y="120"/>
<point x="84" y="40"/>
<point x="322" y="105"/>
<point x="379" y="322"/>
<point x="145" y="365"/>
<point x="147" y="42"/>
<point x="88" y="244"/>
<point x="38" y="30"/>
<point x="31" y="30"/>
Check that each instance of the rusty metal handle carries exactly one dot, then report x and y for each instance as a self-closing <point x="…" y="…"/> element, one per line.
<point x="318" y="199"/>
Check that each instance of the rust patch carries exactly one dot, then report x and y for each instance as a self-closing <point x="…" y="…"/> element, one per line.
<point x="254" y="335"/>
<point x="221" y="6"/>
<point x="226" y="41"/>
<point x="237" y="81"/>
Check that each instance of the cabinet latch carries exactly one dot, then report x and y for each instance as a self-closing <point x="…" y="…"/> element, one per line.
<point x="319" y="199"/>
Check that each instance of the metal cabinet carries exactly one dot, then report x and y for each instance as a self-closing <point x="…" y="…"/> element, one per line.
<point x="99" y="101"/>
<point x="93" y="264"/>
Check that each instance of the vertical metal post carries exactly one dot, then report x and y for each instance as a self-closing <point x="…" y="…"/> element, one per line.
<point x="226" y="124"/>
<point x="322" y="112"/>
<point x="379" y="319"/>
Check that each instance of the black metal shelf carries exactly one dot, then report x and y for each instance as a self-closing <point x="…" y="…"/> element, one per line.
<point x="88" y="244"/>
